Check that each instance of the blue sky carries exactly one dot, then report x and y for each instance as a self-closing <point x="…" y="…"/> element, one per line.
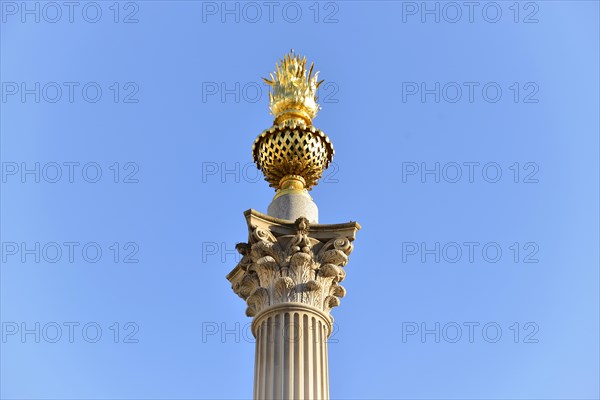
<point x="466" y="142"/>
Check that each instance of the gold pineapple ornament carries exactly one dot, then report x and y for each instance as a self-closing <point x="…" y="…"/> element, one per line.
<point x="292" y="154"/>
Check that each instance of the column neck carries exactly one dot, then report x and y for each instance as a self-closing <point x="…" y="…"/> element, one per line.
<point x="292" y="308"/>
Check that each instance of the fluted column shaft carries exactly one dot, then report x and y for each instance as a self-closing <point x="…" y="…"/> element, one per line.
<point x="291" y="353"/>
<point x="289" y="276"/>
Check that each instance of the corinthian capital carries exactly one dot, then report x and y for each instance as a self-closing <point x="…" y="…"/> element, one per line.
<point x="296" y="262"/>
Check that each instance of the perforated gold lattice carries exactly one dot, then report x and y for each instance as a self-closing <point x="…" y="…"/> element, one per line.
<point x="292" y="150"/>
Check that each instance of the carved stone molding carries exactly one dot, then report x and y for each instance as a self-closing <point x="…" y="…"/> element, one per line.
<point x="285" y="262"/>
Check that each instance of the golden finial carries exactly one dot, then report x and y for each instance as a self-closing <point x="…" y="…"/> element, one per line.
<point x="294" y="91"/>
<point x="293" y="154"/>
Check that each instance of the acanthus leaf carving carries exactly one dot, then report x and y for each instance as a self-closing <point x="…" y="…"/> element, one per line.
<point x="282" y="268"/>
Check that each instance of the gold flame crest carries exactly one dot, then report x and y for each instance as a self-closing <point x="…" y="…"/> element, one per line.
<point x="294" y="90"/>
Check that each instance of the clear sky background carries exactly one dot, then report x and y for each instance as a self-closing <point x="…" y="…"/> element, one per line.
<point x="171" y="132"/>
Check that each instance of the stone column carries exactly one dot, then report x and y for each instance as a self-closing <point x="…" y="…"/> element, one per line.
<point x="289" y="276"/>
<point x="291" y="353"/>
